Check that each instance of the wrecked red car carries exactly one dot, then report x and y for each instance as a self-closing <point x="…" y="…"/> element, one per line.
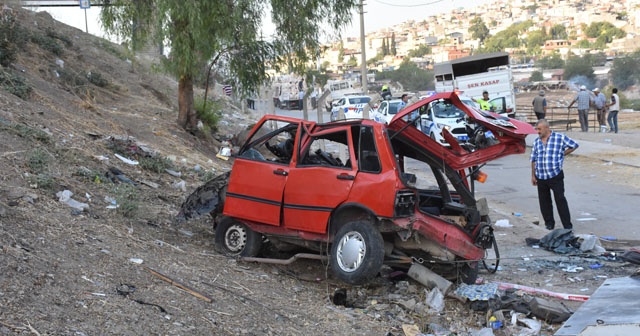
<point x="363" y="193"/>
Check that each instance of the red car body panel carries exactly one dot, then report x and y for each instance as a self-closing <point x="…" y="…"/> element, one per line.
<point x="296" y="200"/>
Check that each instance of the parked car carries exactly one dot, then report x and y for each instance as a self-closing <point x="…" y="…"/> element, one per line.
<point x="443" y="114"/>
<point x="350" y="105"/>
<point x="362" y="192"/>
<point x="386" y="110"/>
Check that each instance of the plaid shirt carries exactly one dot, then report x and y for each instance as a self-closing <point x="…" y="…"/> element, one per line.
<point x="548" y="159"/>
<point x="583" y="98"/>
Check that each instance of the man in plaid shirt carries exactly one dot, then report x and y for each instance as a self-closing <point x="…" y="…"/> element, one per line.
<point x="547" y="156"/>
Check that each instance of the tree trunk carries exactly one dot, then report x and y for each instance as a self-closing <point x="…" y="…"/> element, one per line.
<point x="186" y="113"/>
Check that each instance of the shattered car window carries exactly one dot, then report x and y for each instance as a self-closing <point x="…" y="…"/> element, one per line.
<point x="271" y="144"/>
<point x="327" y="150"/>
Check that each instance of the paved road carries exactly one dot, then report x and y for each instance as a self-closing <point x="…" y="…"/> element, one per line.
<point x="597" y="205"/>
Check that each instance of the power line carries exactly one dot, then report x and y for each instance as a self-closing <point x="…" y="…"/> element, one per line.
<point x="408" y="6"/>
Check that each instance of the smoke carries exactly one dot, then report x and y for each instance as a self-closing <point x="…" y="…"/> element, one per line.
<point x="576" y="81"/>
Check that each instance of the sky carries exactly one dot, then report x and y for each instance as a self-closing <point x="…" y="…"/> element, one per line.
<point x="378" y="14"/>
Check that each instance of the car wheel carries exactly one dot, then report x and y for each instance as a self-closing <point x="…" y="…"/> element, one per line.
<point x="236" y="239"/>
<point x="357" y="252"/>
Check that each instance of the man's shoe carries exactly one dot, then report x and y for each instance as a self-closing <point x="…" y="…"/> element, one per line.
<point x="549" y="228"/>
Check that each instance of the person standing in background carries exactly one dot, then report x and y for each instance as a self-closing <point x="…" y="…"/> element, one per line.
<point x="600" y="102"/>
<point x="614" y="107"/>
<point x="584" y="102"/>
<point x="547" y="157"/>
<point x="540" y="105"/>
<point x="484" y="102"/>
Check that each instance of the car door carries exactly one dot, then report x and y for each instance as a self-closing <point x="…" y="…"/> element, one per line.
<point x="260" y="173"/>
<point x="321" y="180"/>
<point x="499" y="104"/>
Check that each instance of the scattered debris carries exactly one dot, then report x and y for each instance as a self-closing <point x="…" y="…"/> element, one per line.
<point x="125" y="160"/>
<point x="65" y="197"/>
<point x="179" y="285"/>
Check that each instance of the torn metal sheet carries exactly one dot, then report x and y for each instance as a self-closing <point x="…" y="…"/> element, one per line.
<point x="613" y="305"/>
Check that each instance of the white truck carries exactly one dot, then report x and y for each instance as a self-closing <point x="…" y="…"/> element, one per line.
<point x="472" y="75"/>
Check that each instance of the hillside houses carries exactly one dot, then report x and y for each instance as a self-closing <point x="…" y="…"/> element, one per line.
<point x="449" y="38"/>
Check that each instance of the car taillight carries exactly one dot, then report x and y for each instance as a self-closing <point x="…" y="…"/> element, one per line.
<point x="480" y="176"/>
<point x="405" y="203"/>
<point x="509" y="110"/>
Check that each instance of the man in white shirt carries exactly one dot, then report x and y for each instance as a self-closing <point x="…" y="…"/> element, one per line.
<point x="614" y="107"/>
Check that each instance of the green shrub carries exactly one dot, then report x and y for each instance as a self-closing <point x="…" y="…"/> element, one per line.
<point x="15" y="85"/>
<point x="155" y="164"/>
<point x="26" y="132"/>
<point x="12" y="36"/>
<point x="96" y="79"/>
<point x="47" y="43"/>
<point x="38" y="160"/>
<point x="54" y="35"/>
<point x="210" y="114"/>
<point x="127" y="200"/>
<point x="72" y="78"/>
<point x="43" y="181"/>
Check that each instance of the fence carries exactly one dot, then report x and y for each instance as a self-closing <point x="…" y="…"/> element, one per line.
<point x="560" y="118"/>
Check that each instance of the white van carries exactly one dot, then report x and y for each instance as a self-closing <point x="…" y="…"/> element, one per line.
<point x="442" y="114"/>
<point x="474" y="74"/>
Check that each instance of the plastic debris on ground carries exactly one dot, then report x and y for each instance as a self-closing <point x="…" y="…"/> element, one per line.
<point x="503" y="223"/>
<point x="65" y="197"/>
<point x="173" y="173"/>
<point x="224" y="153"/>
<point x="477" y="292"/>
<point x="125" y="160"/>
<point x="435" y="299"/>
<point x="182" y="185"/>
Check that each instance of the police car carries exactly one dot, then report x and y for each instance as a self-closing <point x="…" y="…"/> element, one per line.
<point x="442" y="114"/>
<point x="350" y="105"/>
<point x="387" y="110"/>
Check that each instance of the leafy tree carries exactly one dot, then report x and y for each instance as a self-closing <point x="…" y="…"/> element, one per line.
<point x="508" y="38"/>
<point x="352" y="62"/>
<point x="536" y="76"/>
<point x="553" y="61"/>
<point x="625" y="71"/>
<point x="558" y="32"/>
<point x="226" y="34"/>
<point x="535" y="39"/>
<point x="584" y="44"/>
<point x="579" y="66"/>
<point x="410" y="76"/>
<point x="341" y="52"/>
<point x="393" y="44"/>
<point x="605" y="30"/>
<point x="422" y="51"/>
<point x="478" y="29"/>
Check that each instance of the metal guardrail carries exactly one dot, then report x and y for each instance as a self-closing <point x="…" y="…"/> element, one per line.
<point x="560" y="118"/>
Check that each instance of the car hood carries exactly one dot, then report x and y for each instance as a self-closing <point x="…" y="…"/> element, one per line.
<point x="510" y="133"/>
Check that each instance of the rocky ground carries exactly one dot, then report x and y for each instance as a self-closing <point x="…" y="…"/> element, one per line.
<point x="130" y="269"/>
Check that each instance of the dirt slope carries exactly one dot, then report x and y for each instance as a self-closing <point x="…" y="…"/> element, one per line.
<point x="70" y="272"/>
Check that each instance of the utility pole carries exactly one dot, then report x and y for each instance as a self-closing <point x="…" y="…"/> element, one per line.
<point x="363" y="65"/>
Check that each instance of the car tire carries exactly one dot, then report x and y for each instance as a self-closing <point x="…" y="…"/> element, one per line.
<point x="469" y="272"/>
<point x="357" y="252"/>
<point x="234" y="238"/>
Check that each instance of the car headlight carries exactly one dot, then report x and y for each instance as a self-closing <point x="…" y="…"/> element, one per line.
<point x="443" y="126"/>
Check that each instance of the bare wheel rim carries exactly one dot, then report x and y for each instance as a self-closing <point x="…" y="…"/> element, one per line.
<point x="351" y="251"/>
<point x="235" y="239"/>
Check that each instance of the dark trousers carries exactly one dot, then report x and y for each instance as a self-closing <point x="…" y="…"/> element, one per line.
<point x="539" y="115"/>
<point x="555" y="185"/>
